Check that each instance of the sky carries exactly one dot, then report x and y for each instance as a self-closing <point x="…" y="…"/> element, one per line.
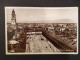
<point x="43" y="14"/>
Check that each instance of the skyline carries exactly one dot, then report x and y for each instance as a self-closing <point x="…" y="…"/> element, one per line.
<point x="43" y="15"/>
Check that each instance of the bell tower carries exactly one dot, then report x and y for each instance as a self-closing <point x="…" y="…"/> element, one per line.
<point x="13" y="19"/>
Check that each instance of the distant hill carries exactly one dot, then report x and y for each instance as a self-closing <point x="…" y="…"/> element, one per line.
<point x="53" y="21"/>
<point x="64" y="21"/>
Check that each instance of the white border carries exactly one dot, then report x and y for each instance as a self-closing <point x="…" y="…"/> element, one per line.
<point x="38" y="53"/>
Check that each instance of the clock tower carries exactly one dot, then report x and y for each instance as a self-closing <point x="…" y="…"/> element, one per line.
<point x="13" y="19"/>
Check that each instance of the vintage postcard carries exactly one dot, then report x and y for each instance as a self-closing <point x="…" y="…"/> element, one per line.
<point x="41" y="30"/>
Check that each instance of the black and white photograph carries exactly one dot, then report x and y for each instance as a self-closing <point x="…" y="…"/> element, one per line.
<point x="41" y="30"/>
